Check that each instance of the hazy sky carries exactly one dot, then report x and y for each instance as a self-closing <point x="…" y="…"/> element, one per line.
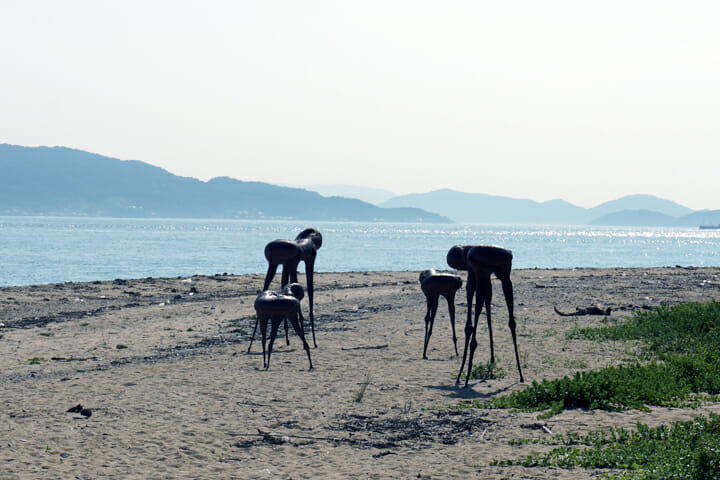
<point x="585" y="101"/>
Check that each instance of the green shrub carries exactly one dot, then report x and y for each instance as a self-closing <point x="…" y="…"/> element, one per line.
<point x="682" y="351"/>
<point x="686" y="450"/>
<point x="487" y="371"/>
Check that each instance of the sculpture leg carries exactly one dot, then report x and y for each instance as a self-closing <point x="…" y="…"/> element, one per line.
<point x="508" y="291"/>
<point x="292" y="271"/>
<point x="287" y="337"/>
<point x="272" y="268"/>
<point x="479" y="300"/>
<point x="263" y="334"/>
<point x="451" y="310"/>
<point x="488" y="298"/>
<point x="309" y="273"/>
<point x="432" y="304"/>
<point x="253" y="334"/>
<point x="285" y="275"/>
<point x="301" y="321"/>
<point x="299" y="330"/>
<point x="470" y="290"/>
<point x="274" y="325"/>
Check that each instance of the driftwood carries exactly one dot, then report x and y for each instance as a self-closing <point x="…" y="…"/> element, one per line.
<point x="373" y="347"/>
<point x="594" y="310"/>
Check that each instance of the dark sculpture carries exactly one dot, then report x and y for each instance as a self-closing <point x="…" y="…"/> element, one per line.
<point x="480" y="262"/>
<point x="276" y="308"/>
<point x="434" y="284"/>
<point x="291" y="289"/>
<point x="289" y="253"/>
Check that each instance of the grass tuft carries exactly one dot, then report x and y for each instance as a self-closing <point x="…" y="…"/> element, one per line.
<point x="357" y="398"/>
<point x="487" y="371"/>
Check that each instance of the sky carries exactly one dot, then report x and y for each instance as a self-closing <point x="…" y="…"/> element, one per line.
<point x="583" y="101"/>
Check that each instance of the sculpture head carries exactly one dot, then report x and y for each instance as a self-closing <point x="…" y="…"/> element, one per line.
<point x="294" y="290"/>
<point x="314" y="235"/>
<point x="457" y="257"/>
<point x="426" y="273"/>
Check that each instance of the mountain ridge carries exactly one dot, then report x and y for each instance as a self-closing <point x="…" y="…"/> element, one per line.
<point x="366" y="194"/>
<point x="69" y="182"/>
<point x="64" y="181"/>
<point x="637" y="210"/>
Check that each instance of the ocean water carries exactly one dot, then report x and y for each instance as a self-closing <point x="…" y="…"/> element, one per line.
<point x="38" y="250"/>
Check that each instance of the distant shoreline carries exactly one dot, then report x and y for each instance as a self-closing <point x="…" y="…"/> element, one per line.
<point x="227" y="276"/>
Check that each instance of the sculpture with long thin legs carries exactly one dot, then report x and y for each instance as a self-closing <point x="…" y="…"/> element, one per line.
<point x="481" y="261"/>
<point x="269" y="306"/>
<point x="433" y="285"/>
<point x="293" y="290"/>
<point x="289" y="253"/>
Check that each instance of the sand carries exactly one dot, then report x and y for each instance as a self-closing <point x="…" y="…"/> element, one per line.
<point x="161" y="367"/>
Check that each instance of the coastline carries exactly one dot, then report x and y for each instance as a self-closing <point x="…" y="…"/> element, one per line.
<point x="162" y="365"/>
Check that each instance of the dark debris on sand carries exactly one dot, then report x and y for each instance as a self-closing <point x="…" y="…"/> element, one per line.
<point x="418" y="430"/>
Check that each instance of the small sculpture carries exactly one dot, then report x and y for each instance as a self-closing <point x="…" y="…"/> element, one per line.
<point x="289" y="253"/>
<point x="480" y="262"/>
<point x="276" y="308"/>
<point x="291" y="289"/>
<point x="434" y="284"/>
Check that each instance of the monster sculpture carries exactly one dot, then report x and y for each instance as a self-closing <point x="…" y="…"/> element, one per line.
<point x="480" y="262"/>
<point x="289" y="253"/>
<point x="433" y="285"/>
<point x="274" y="308"/>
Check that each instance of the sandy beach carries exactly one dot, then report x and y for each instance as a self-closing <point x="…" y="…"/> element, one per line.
<point x="161" y="367"/>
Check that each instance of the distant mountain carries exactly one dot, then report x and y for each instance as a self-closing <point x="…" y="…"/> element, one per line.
<point x="480" y="208"/>
<point x="636" y="218"/>
<point x="64" y="181"/>
<point x="646" y="218"/>
<point x="371" y="195"/>
<point x="702" y="217"/>
<point x="640" y="202"/>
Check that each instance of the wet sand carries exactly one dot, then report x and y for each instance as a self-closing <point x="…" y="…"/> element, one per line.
<point x="161" y="367"/>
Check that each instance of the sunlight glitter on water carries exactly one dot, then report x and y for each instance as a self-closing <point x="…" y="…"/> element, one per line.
<point x="46" y="249"/>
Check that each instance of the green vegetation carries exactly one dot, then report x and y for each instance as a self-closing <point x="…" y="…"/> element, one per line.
<point x="685" y="329"/>
<point x="681" y="350"/>
<point x="357" y="398"/>
<point x="679" y="354"/>
<point x="686" y="450"/>
<point x="47" y="334"/>
<point x="487" y="371"/>
<point x="36" y="360"/>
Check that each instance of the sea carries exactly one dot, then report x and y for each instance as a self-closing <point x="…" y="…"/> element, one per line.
<point x="41" y="250"/>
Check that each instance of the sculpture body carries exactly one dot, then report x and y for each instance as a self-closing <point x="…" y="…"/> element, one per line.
<point x="274" y="308"/>
<point x="289" y="254"/>
<point x="433" y="285"/>
<point x="481" y="261"/>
